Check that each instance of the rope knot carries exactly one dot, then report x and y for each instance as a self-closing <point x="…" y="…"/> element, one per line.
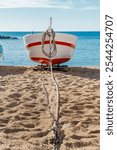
<point x="53" y="49"/>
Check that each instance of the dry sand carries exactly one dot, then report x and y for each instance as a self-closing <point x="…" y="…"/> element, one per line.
<point x="24" y="119"/>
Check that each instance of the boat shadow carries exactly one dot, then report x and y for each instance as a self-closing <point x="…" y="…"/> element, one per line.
<point x="84" y="72"/>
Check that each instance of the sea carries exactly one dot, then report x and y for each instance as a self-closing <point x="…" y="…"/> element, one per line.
<point x="87" y="52"/>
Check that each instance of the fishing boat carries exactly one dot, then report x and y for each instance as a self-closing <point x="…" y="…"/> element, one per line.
<point x="38" y="46"/>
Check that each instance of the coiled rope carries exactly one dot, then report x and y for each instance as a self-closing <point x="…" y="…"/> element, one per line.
<point x="56" y="141"/>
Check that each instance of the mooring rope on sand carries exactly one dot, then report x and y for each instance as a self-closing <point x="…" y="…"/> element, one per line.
<point x="56" y="140"/>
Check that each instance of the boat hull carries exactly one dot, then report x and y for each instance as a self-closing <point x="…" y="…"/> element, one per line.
<point x="65" y="44"/>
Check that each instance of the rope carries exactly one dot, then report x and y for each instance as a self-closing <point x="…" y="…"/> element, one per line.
<point x="47" y="98"/>
<point x="56" y="141"/>
<point x="53" y="49"/>
<point x="57" y="90"/>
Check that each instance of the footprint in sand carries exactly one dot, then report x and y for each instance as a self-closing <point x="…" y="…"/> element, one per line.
<point x="15" y="95"/>
<point x="3" y="83"/>
<point x="12" y="104"/>
<point x="76" y="137"/>
<point x="75" y="122"/>
<point x="43" y="110"/>
<point x="1" y="142"/>
<point x="3" y="124"/>
<point x="36" y="112"/>
<point x="97" y="111"/>
<point x="26" y="114"/>
<point x="19" y="117"/>
<point x="1" y="89"/>
<point x="81" y="143"/>
<point x="89" y="106"/>
<point x="27" y="99"/>
<point x="77" y="107"/>
<point x="86" y="122"/>
<point x="80" y="112"/>
<point x="1" y="109"/>
<point x="33" y="96"/>
<point x="69" y="145"/>
<point x="29" y="105"/>
<point x="13" y="130"/>
<point x="37" y="129"/>
<point x="28" y="125"/>
<point x="65" y="113"/>
<point x="73" y="107"/>
<point x="78" y="144"/>
<point x="6" y="149"/>
<point x="12" y="111"/>
<point x="40" y="134"/>
<point x="5" y="121"/>
<point x="94" y="132"/>
<point x="63" y="100"/>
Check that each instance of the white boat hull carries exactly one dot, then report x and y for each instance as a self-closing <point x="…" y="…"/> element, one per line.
<point x="65" y="44"/>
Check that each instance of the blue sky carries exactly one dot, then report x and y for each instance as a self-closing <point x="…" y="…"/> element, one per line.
<point x="33" y="15"/>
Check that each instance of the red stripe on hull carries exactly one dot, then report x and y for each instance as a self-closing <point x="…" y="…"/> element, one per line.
<point x="47" y="42"/>
<point x="46" y="61"/>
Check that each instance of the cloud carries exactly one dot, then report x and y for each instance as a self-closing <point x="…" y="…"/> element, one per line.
<point x="63" y="4"/>
<point x="91" y="8"/>
<point x="80" y="5"/>
<point x="87" y="5"/>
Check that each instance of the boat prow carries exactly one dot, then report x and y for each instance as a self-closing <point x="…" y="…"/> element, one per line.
<point x="65" y="44"/>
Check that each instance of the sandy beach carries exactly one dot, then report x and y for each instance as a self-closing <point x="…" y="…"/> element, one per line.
<point x="25" y="122"/>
